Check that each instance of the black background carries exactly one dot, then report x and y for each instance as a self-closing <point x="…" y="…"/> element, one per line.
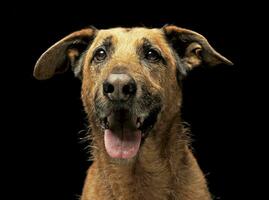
<point x="45" y="155"/>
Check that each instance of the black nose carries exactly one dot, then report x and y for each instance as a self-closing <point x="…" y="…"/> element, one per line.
<point x="119" y="87"/>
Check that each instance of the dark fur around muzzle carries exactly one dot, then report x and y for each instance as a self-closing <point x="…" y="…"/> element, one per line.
<point x="145" y="106"/>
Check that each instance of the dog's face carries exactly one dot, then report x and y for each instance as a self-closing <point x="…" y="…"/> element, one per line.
<point x="130" y="78"/>
<point x="126" y="77"/>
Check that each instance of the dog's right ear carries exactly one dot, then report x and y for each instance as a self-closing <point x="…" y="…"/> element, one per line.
<point x="192" y="48"/>
<point x="63" y="54"/>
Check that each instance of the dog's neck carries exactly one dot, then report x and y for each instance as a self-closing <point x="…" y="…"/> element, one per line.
<point x="155" y="167"/>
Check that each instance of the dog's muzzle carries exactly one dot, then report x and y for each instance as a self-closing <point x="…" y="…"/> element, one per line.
<point x="125" y="124"/>
<point x="122" y="136"/>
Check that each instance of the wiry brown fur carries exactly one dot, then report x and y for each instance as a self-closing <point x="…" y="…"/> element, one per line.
<point x="164" y="168"/>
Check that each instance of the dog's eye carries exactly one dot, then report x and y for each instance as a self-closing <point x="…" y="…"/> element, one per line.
<point x="152" y="55"/>
<point x="100" y="55"/>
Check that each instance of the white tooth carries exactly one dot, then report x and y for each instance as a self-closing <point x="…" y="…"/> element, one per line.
<point x="107" y="125"/>
<point x="138" y="124"/>
<point x="141" y="119"/>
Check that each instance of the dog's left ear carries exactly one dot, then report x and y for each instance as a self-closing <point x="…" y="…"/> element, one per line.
<point x="65" y="53"/>
<point x="192" y="48"/>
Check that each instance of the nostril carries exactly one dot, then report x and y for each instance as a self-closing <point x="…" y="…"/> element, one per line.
<point x="108" y="88"/>
<point x="129" y="89"/>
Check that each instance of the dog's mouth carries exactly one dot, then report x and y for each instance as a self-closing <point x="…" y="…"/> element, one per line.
<point x="124" y="132"/>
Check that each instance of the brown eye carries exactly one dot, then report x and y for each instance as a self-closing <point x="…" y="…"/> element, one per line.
<point x="100" y="55"/>
<point x="152" y="55"/>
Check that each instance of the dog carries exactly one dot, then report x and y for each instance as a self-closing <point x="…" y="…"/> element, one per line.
<point x="132" y="94"/>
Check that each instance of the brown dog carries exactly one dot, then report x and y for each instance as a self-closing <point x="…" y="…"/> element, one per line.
<point x="131" y="91"/>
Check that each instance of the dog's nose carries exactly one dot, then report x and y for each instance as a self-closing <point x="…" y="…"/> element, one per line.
<point x="119" y="87"/>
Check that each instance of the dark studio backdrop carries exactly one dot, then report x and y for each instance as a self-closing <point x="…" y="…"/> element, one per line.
<point x="46" y="154"/>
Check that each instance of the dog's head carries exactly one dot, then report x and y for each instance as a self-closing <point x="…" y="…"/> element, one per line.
<point x="130" y="78"/>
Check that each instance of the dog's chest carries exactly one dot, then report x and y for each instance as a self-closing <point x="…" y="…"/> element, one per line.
<point x="140" y="186"/>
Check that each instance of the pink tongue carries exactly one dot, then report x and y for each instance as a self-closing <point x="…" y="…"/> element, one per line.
<point x="125" y="147"/>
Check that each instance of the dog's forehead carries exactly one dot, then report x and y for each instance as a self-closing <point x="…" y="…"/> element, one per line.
<point x="128" y="40"/>
<point x="129" y="35"/>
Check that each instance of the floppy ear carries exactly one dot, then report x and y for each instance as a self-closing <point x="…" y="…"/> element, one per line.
<point x="192" y="48"/>
<point x="63" y="54"/>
